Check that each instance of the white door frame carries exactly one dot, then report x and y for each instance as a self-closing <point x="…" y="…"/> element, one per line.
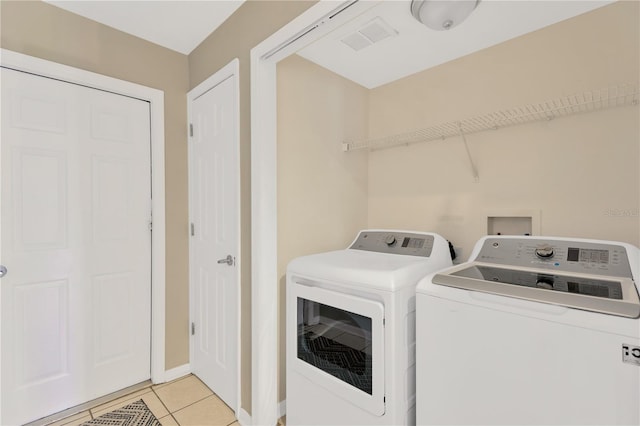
<point x="21" y="62"/>
<point x="232" y="69"/>
<point x="264" y="219"/>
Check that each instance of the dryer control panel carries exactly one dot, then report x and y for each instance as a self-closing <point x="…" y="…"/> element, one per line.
<point x="559" y="255"/>
<point x="395" y="242"/>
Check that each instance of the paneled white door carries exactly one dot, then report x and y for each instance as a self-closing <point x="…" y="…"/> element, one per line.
<point x="214" y="211"/>
<point x="76" y="242"/>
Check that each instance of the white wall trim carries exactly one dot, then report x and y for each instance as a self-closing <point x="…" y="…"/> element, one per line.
<point x="232" y="69"/>
<point x="264" y="301"/>
<point x="155" y="97"/>
<point x="243" y="417"/>
<point x="282" y="408"/>
<point x="177" y="372"/>
<point x="264" y="219"/>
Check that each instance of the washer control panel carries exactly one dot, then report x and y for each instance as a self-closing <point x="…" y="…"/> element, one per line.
<point x="395" y="242"/>
<point x="569" y="256"/>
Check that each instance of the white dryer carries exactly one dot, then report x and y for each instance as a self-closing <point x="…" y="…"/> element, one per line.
<point x="532" y="330"/>
<point x="350" y="329"/>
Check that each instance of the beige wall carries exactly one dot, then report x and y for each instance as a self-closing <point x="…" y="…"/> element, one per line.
<point x="577" y="170"/>
<point x="44" y="31"/>
<point x="253" y="22"/>
<point x="322" y="193"/>
<point x="580" y="172"/>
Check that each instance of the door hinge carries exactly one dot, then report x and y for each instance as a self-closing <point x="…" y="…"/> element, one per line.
<point x="193" y="328"/>
<point x="191" y="129"/>
<point x="193" y="229"/>
<point x="151" y="225"/>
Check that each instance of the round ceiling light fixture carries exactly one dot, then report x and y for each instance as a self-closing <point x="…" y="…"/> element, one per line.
<point x="442" y="15"/>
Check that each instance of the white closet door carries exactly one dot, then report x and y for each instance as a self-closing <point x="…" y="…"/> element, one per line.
<point x="214" y="209"/>
<point x="75" y="239"/>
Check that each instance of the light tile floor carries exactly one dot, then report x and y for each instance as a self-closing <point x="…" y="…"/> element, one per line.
<point x="183" y="402"/>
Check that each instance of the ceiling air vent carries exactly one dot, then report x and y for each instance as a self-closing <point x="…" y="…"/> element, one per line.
<point x="374" y="31"/>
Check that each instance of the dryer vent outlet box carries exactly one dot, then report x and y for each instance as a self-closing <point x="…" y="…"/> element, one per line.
<point x="509" y="225"/>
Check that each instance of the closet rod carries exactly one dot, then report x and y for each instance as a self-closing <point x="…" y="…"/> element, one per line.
<point x="590" y="101"/>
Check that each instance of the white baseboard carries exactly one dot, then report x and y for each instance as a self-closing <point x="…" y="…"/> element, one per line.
<point x="282" y="408"/>
<point x="244" y="418"/>
<point x="176" y="373"/>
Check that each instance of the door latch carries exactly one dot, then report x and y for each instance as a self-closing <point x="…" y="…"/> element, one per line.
<point x="228" y="260"/>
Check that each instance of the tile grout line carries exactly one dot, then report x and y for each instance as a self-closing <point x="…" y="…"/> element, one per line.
<point x="165" y="406"/>
<point x="212" y="394"/>
<point x="189" y="405"/>
<point x="193" y="403"/>
<point x="235" y="417"/>
<point x="174" y="419"/>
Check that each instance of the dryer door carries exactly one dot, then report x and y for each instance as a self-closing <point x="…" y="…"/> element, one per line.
<point x="338" y="343"/>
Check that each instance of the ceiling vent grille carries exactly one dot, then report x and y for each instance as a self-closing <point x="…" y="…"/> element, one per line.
<point x="374" y="31"/>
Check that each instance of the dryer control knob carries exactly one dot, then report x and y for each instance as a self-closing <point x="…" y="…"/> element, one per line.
<point x="390" y="240"/>
<point x="545" y="251"/>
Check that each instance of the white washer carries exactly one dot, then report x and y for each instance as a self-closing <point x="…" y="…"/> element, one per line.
<point x="351" y="329"/>
<point x="532" y="330"/>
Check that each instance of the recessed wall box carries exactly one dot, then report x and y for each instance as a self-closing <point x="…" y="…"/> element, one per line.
<point x="510" y="225"/>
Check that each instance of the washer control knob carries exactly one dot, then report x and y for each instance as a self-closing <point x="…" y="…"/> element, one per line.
<point x="544" y="251"/>
<point x="390" y="240"/>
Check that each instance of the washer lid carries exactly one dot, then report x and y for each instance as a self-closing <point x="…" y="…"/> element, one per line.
<point x="607" y="295"/>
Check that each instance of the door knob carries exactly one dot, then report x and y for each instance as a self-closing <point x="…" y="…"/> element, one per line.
<point x="228" y="260"/>
<point x="3" y="271"/>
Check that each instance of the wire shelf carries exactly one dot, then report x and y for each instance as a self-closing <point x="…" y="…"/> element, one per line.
<point x="595" y="100"/>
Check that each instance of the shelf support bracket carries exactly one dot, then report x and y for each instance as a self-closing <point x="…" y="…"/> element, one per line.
<point x="474" y="170"/>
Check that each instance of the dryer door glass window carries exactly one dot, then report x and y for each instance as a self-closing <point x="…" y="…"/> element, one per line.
<point x="337" y="342"/>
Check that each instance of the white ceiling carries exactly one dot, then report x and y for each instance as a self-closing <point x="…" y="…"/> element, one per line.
<point x="181" y="25"/>
<point x="416" y="47"/>
<point x="178" y="25"/>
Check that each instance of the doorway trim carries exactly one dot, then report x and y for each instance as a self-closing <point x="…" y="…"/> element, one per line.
<point x="315" y="22"/>
<point x="231" y="70"/>
<point x="45" y="68"/>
